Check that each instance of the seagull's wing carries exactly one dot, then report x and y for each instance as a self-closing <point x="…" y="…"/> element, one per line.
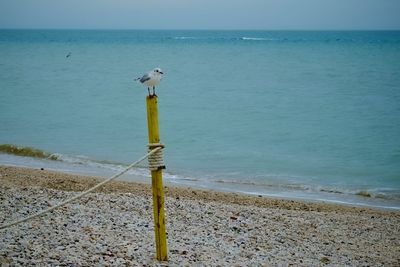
<point x="145" y="78"/>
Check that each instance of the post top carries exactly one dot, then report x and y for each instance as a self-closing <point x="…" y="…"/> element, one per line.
<point x="151" y="96"/>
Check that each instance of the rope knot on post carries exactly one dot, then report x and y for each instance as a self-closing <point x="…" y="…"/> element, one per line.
<point x="156" y="160"/>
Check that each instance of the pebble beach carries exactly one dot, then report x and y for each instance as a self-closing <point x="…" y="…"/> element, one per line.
<point x="113" y="227"/>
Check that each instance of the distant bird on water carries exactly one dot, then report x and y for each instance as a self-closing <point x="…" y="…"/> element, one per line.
<point x="151" y="80"/>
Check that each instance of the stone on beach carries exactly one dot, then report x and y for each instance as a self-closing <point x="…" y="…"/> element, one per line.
<point x="114" y="227"/>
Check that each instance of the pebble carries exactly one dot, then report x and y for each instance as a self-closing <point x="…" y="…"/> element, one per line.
<point x="117" y="230"/>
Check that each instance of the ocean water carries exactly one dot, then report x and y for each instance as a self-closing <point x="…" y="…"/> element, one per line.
<point x="313" y="115"/>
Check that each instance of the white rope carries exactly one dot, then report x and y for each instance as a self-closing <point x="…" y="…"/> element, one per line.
<point x="156" y="160"/>
<point x="151" y="152"/>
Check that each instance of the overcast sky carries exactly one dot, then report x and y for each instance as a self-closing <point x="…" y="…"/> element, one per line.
<point x="201" y="14"/>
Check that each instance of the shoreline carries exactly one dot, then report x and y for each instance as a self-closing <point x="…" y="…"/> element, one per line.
<point x="362" y="198"/>
<point x="59" y="180"/>
<point x="113" y="226"/>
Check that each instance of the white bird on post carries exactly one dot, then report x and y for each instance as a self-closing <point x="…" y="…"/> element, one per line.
<point x="151" y="80"/>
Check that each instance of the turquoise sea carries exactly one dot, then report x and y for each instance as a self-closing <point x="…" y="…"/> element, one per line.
<point x="299" y="114"/>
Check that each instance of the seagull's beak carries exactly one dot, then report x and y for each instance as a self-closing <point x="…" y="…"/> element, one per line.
<point x="161" y="72"/>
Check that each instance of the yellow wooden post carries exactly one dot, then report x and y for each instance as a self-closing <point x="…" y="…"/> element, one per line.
<point x="157" y="183"/>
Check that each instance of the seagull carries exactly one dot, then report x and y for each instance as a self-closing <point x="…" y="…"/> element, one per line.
<point x="151" y="80"/>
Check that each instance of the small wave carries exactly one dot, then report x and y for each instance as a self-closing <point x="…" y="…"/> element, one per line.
<point x="265" y="184"/>
<point x="269" y="185"/>
<point x="258" y="39"/>
<point x="234" y="182"/>
<point x="26" y="152"/>
<point x="334" y="191"/>
<point x="209" y="38"/>
<point x="182" y="178"/>
<point x="364" y="193"/>
<point x="377" y="193"/>
<point x="70" y="164"/>
<point x="102" y="164"/>
<point x="185" y="38"/>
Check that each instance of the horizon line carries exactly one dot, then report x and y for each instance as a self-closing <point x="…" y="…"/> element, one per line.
<point x="193" y="29"/>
